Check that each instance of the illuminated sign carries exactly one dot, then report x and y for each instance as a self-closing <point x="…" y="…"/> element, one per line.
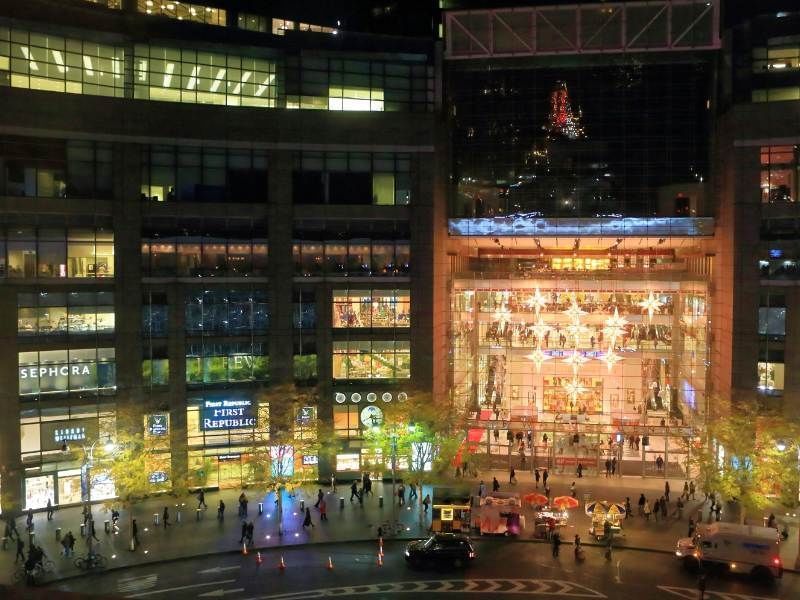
<point x="371" y="416"/>
<point x="306" y="415"/>
<point x="69" y="434"/>
<point x="53" y="371"/>
<point x="158" y="477"/>
<point x="227" y="414"/>
<point x="54" y="434"/>
<point x="447" y="514"/>
<point x="775" y="253"/>
<point x="157" y="425"/>
<point x="310" y="460"/>
<point x="530" y="225"/>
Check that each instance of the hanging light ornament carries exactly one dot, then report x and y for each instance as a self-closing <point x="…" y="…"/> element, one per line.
<point x="503" y="316"/>
<point x="575" y="312"/>
<point x="536" y="302"/>
<point x="538" y="357"/>
<point x="574" y="389"/>
<point x="576" y="329"/>
<point x="610" y="359"/>
<point x="576" y="359"/>
<point x="539" y="328"/>
<point x="614" y="326"/>
<point x="651" y="304"/>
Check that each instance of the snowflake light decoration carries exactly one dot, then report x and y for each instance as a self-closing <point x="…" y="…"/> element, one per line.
<point x="610" y="359"/>
<point x="574" y="389"/>
<point x="651" y="304"/>
<point x="537" y="302"/>
<point x="538" y="357"/>
<point x="575" y="312"/>
<point x="576" y="359"/>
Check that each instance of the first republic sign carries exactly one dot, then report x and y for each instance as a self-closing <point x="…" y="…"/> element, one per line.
<point x="227" y="414"/>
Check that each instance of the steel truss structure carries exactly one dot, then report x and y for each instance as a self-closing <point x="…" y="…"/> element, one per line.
<point x="607" y="28"/>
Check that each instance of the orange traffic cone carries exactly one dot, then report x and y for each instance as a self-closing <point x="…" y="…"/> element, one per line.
<point x="330" y="564"/>
<point x="259" y="560"/>
<point x="282" y="565"/>
<point x="380" y="559"/>
<point x="244" y="548"/>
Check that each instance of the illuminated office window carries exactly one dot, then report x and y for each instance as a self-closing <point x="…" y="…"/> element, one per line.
<point x="183" y="11"/>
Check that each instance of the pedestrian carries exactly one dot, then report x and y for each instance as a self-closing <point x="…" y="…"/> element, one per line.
<point x="691" y="527"/>
<point x="49" y="510"/>
<point x="608" y="467"/>
<point x="307" y="521"/>
<point x="659" y="463"/>
<point x="641" y="502"/>
<point x="333" y="482"/>
<point x="29" y="520"/>
<point x="495" y="485"/>
<point x="250" y="528"/>
<point x="412" y="494"/>
<point x="771" y="521"/>
<point x="666" y="490"/>
<point x="547" y="493"/>
<point x="323" y="510"/>
<point x="201" y="499"/>
<point x="691" y="489"/>
<point x="221" y="510"/>
<point x="686" y="489"/>
<point x="92" y="531"/>
<point x="244" y="532"/>
<point x="628" y="511"/>
<point x="638" y="439"/>
<point x="664" y="508"/>
<point x="20" y="550"/>
<point x="572" y="489"/>
<point x="580" y="470"/>
<point x="135" y="533"/>
<point x="679" y="508"/>
<point x="166" y="517"/>
<point x="556" y="544"/>
<point x="522" y="455"/>
<point x="614" y="465"/>
<point x="657" y="509"/>
<point x="646" y="510"/>
<point x="512" y="475"/>
<point x="367" y="486"/>
<point x="401" y="494"/>
<point x="320" y="496"/>
<point x="65" y="543"/>
<point x="11" y="524"/>
<point x="718" y="510"/>
<point x="353" y="490"/>
<point x="482" y="489"/>
<point x="545" y="475"/>
<point x="87" y="514"/>
<point x="242" y="500"/>
<point x="425" y="502"/>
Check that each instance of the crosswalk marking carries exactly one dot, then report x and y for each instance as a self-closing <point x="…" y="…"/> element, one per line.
<point x="137" y="584"/>
<point x="691" y="594"/>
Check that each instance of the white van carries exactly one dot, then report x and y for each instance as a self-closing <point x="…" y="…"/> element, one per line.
<point x="739" y="548"/>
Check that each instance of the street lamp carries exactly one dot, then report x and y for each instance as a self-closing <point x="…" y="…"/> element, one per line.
<point x="86" y="467"/>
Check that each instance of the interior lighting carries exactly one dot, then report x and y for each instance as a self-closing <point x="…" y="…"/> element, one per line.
<point x="27" y="54"/>
<point x="611" y="359"/>
<point x="217" y="80"/>
<point x="245" y="77"/>
<point x="537" y="301"/>
<point x="538" y="357"/>
<point x="651" y="304"/>
<point x="576" y="359"/>
<point x="192" y="79"/>
<point x="87" y="64"/>
<point x="540" y="328"/>
<point x="59" y="59"/>
<point x="267" y="82"/>
<point x="168" y="74"/>
<point x="574" y="311"/>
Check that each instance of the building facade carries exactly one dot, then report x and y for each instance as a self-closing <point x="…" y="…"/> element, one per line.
<point x="202" y="204"/>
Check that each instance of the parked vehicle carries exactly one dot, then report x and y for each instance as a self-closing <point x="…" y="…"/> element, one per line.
<point x="737" y="548"/>
<point x="441" y="549"/>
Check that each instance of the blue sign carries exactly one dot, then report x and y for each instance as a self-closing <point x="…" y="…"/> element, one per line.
<point x="522" y="224"/>
<point x="775" y="253"/>
<point x="227" y="414"/>
<point x="158" y="477"/>
<point x="157" y="425"/>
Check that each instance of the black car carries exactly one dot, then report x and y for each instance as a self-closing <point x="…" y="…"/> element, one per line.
<point x="441" y="549"/>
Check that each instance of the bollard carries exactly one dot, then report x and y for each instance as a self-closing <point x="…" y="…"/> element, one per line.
<point x="178" y="513"/>
<point x="261" y="508"/>
<point x="31" y="539"/>
<point x="5" y="543"/>
<point x="198" y="512"/>
<point x="155" y="518"/>
<point x="83" y="530"/>
<point x="380" y="501"/>
<point x="107" y="526"/>
<point x="341" y="502"/>
<point x="58" y="534"/>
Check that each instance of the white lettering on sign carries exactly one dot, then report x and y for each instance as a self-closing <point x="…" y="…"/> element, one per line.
<point x="54" y="371"/>
<point x="227" y="414"/>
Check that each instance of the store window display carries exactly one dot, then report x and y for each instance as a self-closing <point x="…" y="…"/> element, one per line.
<point x="55" y="253"/>
<point x="60" y="313"/>
<point x="371" y="308"/>
<point x="371" y="360"/>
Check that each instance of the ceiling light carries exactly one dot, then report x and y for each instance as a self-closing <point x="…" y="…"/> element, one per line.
<point x="217" y="80"/>
<point x="27" y="54"/>
<point x="267" y="82"/>
<point x="168" y="74"/>
<point x="87" y="64"/>
<point x="192" y="79"/>
<point x="59" y="59"/>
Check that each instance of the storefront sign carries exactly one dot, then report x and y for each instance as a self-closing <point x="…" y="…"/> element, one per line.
<point x="54" y="434"/>
<point x="521" y="224"/>
<point x="310" y="460"/>
<point x="69" y="434"/>
<point x="227" y="414"/>
<point x="158" y="477"/>
<point x="54" y="371"/>
<point x="371" y="416"/>
<point x="157" y="425"/>
<point x="306" y="415"/>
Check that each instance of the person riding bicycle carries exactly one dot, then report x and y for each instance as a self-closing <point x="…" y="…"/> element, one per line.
<point x="35" y="558"/>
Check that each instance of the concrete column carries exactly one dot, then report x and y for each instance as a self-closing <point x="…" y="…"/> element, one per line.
<point x="10" y="465"/>
<point x="176" y="401"/>
<point x="791" y="354"/>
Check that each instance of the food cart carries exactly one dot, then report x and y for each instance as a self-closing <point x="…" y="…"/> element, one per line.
<point x="498" y="514"/>
<point x="606" y="518"/>
<point x="451" y="510"/>
<point x="549" y="519"/>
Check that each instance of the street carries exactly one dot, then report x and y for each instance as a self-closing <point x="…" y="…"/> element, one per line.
<point x="503" y="568"/>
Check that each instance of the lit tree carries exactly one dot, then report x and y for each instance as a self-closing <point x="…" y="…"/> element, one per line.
<point x="752" y="459"/>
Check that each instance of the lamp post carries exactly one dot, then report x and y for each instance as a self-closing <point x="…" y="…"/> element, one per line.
<point x="86" y="469"/>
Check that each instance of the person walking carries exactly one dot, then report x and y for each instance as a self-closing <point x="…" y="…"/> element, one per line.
<point x="69" y="543"/>
<point x="20" y="551"/>
<point x="679" y="508"/>
<point x="333" y="482"/>
<point x="166" y="517"/>
<point x="646" y="510"/>
<point x="556" y="544"/>
<point x="691" y="489"/>
<point x="323" y="510"/>
<point x="628" y="511"/>
<point x="401" y="494"/>
<point x="641" y="503"/>
<point x="92" y="531"/>
<point x="135" y="533"/>
<point x="572" y="490"/>
<point x="426" y="502"/>
<point x="49" y="510"/>
<point x="638" y="439"/>
<point x="320" y="496"/>
<point x="495" y="485"/>
<point x="29" y="520"/>
<point x="353" y="490"/>
<point x="412" y="494"/>
<point x="664" y="508"/>
<point x="307" y="521"/>
<point x="244" y="532"/>
<point x="201" y="499"/>
<point x="221" y="510"/>
<point x="657" y="509"/>
<point x="608" y="467"/>
<point x="250" y="530"/>
<point x="242" y="500"/>
<point x="614" y="466"/>
<point x="11" y="526"/>
<point x="512" y="475"/>
<point x="482" y="489"/>
<point x="547" y="493"/>
<point x="666" y="490"/>
<point x="718" y="510"/>
<point x="536" y="476"/>
<point x="691" y="527"/>
<point x="545" y="475"/>
<point x="367" y="486"/>
<point x="686" y="489"/>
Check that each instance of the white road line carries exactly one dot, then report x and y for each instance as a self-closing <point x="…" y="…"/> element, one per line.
<point x="691" y="594"/>
<point x="182" y="587"/>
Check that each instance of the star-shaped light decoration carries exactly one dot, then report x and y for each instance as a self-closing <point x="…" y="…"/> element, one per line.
<point x="574" y="311"/>
<point x="610" y="359"/>
<point x="539" y="328"/>
<point x="574" y="389"/>
<point x="576" y="329"/>
<point x="651" y="304"/>
<point x="537" y="302"/>
<point x="576" y="359"/>
<point x="503" y="316"/>
<point x="614" y="326"/>
<point x="538" y="357"/>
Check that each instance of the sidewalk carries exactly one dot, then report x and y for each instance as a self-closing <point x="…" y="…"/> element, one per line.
<point x="353" y="522"/>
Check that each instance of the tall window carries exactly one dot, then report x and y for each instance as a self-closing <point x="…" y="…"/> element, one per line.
<point x="371" y="360"/>
<point x="183" y="11"/>
<point x="772" y="341"/>
<point x="779" y="170"/>
<point x="371" y="308"/>
<point x="76" y="314"/>
<point x="56" y="253"/>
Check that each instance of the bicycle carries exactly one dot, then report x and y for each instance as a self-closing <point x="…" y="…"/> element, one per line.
<point x="39" y="569"/>
<point x="92" y="561"/>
